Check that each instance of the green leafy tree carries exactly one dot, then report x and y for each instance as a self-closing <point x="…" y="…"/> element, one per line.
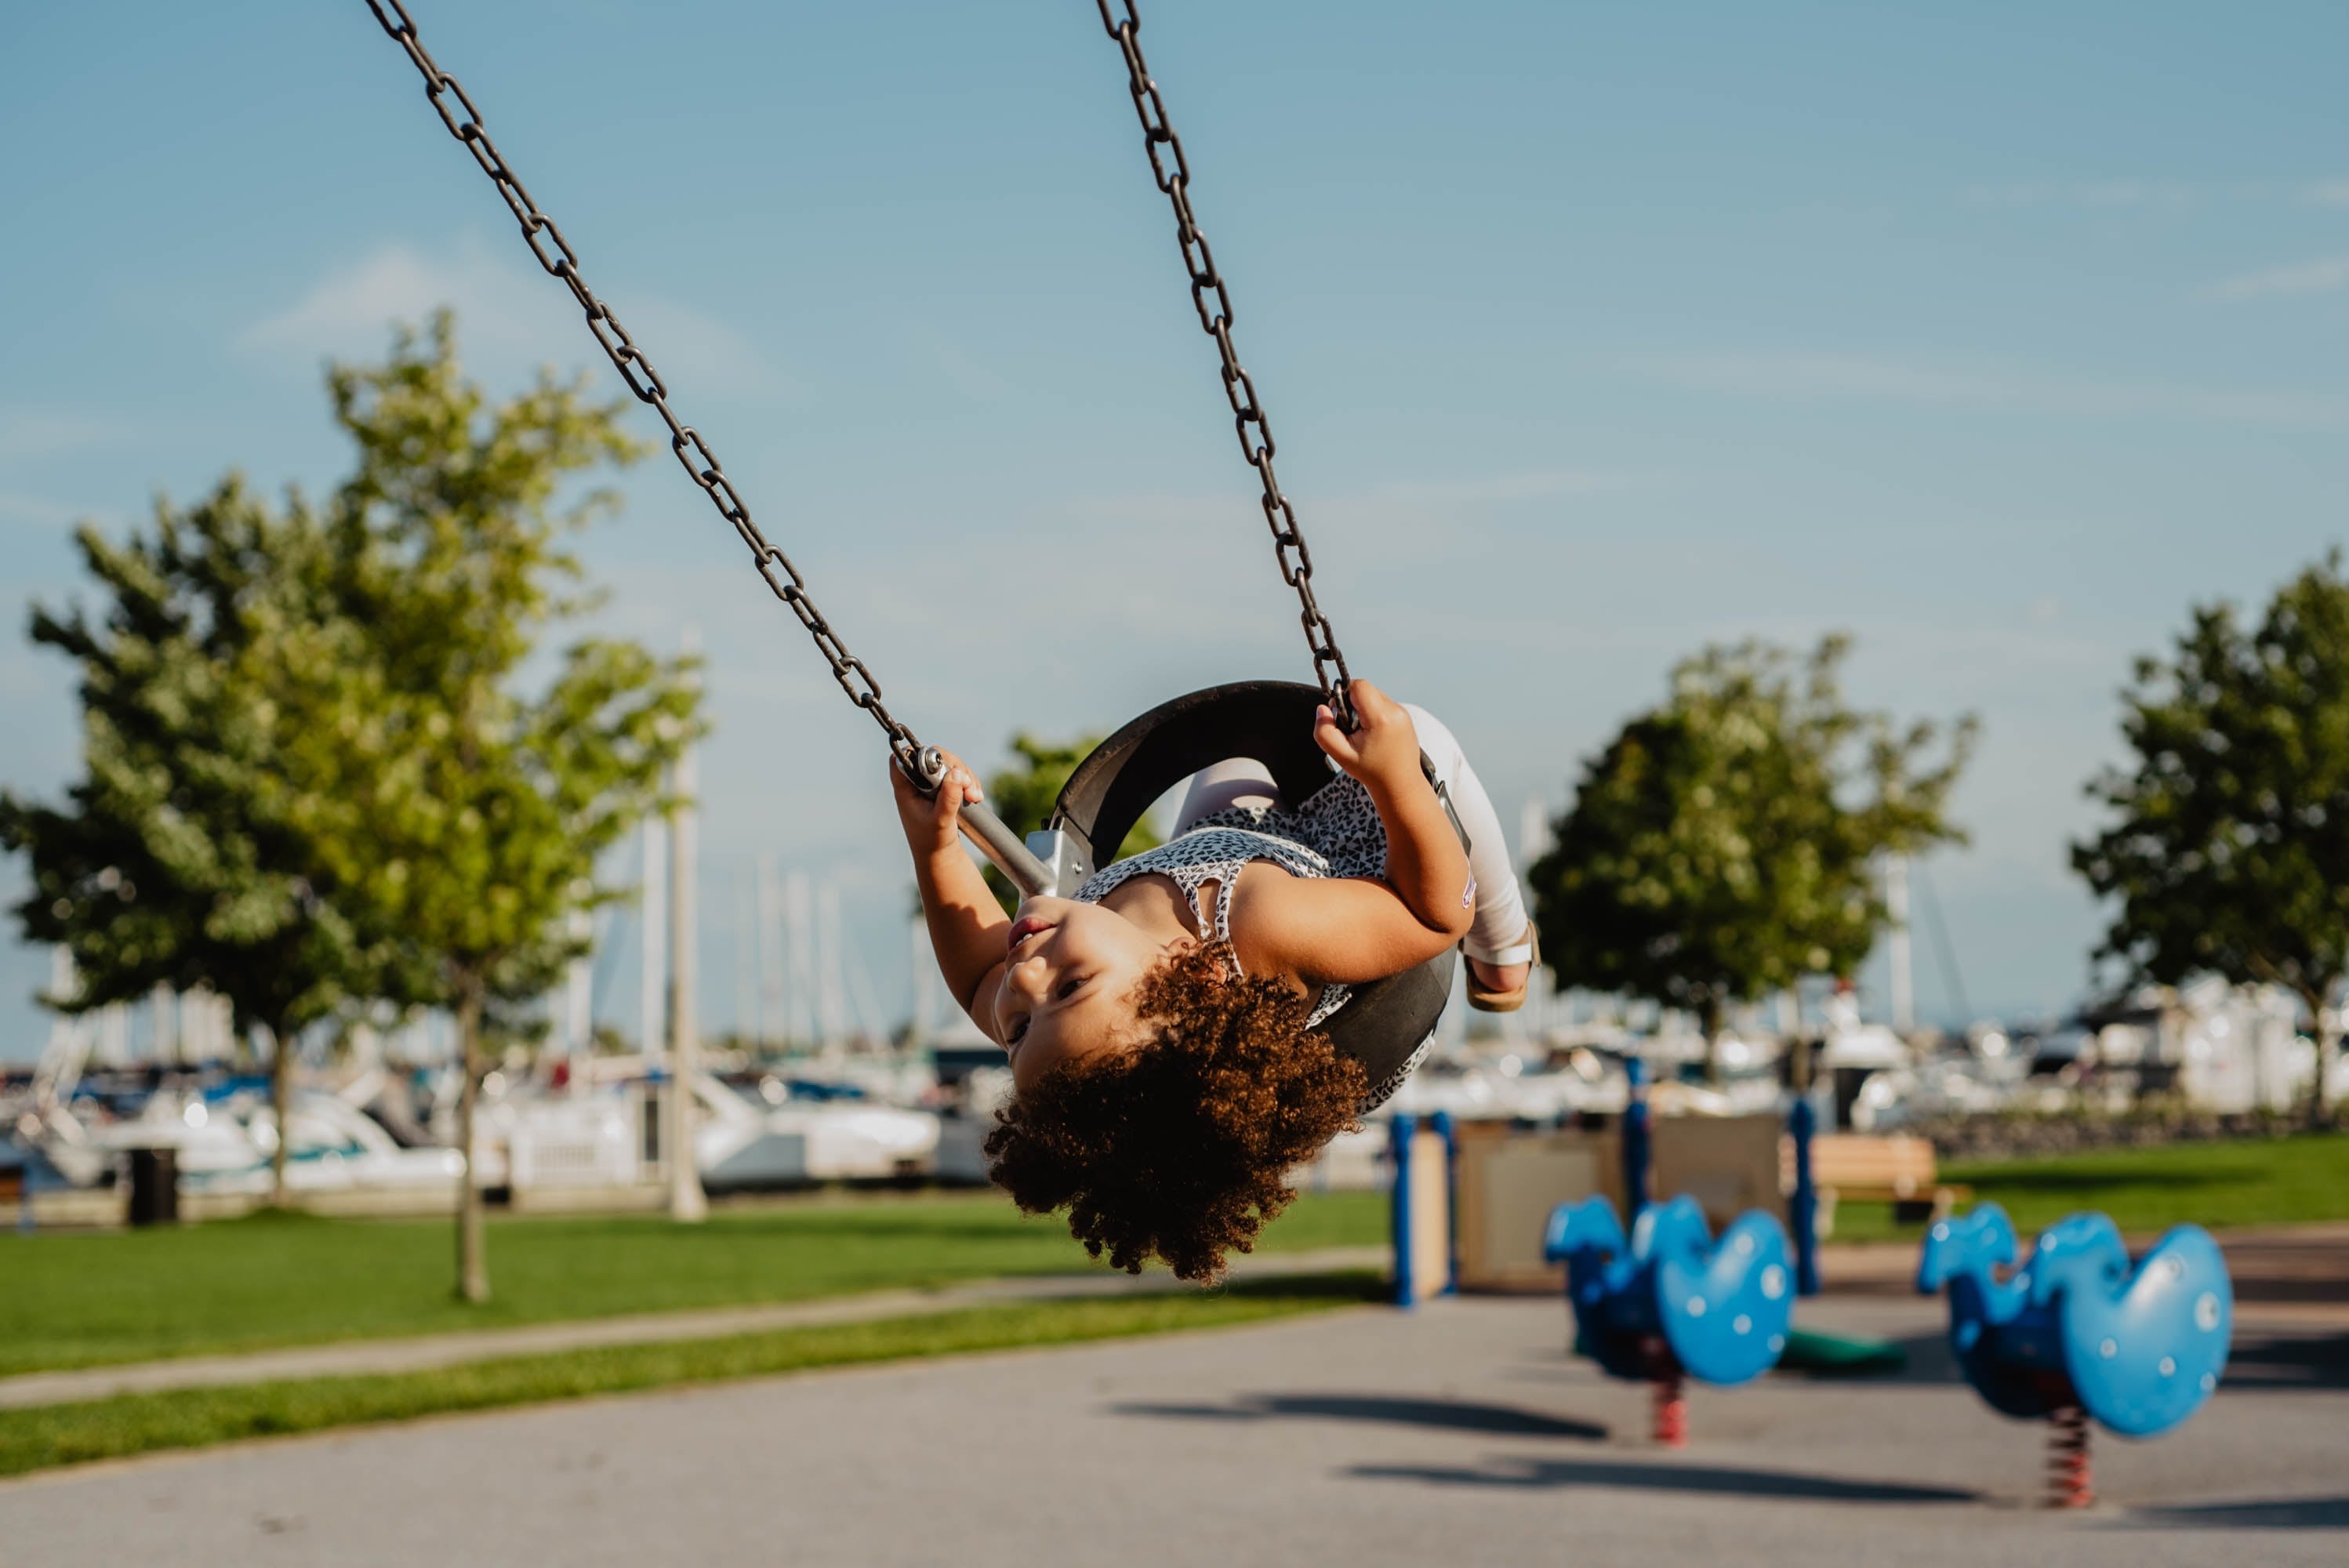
<point x="2229" y="848"/>
<point x="488" y="798"/>
<point x="1724" y="844"/>
<point x="194" y="851"/>
<point x="1023" y="796"/>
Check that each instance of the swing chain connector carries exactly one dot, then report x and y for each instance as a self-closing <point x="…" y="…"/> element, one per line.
<point x="1212" y="299"/>
<point x="555" y="255"/>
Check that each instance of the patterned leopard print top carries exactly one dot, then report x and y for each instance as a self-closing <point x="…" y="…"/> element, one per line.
<point x="1335" y="833"/>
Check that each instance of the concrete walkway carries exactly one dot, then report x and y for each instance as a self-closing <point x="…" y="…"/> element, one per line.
<point x="1463" y="1434"/>
<point x="352" y="1357"/>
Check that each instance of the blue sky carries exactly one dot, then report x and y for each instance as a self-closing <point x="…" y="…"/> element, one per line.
<point x="1996" y="337"/>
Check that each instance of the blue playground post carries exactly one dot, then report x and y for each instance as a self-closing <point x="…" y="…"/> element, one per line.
<point x="1636" y="1149"/>
<point x="1441" y="1124"/>
<point x="1403" y="1140"/>
<point x="1801" y="1123"/>
<point x="1402" y="1131"/>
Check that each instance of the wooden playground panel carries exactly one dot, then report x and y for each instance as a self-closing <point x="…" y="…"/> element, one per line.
<point x="1506" y="1180"/>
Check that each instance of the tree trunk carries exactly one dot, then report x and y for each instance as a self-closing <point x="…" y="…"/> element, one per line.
<point x="1709" y="1015"/>
<point x="472" y="1258"/>
<point x="2328" y="1053"/>
<point x="1798" y="1062"/>
<point x="281" y="1109"/>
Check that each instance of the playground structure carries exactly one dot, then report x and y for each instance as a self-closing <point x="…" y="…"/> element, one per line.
<point x="2074" y="1334"/>
<point x="1504" y="1177"/>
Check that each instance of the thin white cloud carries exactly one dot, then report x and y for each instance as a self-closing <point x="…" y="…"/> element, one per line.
<point x="694" y="348"/>
<point x="2151" y="195"/>
<point x="1796" y="378"/>
<point x="1809" y="376"/>
<point x="2323" y="276"/>
<point x="958" y="371"/>
<point x="1537" y="484"/>
<point x="1409" y="523"/>
<point x="2092" y="193"/>
<point x="505" y="313"/>
<point x="33" y="512"/>
<point x="1174" y="582"/>
<point x="27" y="434"/>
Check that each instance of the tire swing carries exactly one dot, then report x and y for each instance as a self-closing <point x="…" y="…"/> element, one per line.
<point x="1385" y="1022"/>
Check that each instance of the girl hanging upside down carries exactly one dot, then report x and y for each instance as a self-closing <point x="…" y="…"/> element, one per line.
<point x="1162" y="1024"/>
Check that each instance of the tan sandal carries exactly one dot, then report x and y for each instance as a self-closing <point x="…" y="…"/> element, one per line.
<point x="1526" y="952"/>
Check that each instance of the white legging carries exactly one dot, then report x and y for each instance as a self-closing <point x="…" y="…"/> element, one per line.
<point x="1500" y="925"/>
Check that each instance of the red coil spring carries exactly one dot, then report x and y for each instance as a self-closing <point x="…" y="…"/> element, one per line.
<point x="2069" y="1483"/>
<point x="1672" y="1411"/>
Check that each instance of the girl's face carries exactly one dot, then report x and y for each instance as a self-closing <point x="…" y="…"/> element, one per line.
<point x="1068" y="984"/>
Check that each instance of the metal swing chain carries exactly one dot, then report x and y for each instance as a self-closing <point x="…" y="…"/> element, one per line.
<point x="1247" y="414"/>
<point x="554" y="253"/>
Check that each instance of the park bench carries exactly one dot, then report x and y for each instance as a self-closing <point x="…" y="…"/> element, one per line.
<point x="1898" y="1169"/>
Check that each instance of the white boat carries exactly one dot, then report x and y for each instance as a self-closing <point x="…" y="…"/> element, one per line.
<point x="784" y="1138"/>
<point x="224" y="1145"/>
<point x="335" y="1148"/>
<point x="772" y="1137"/>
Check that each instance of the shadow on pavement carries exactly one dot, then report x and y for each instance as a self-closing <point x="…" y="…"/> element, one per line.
<point x="1719" y="1480"/>
<point x="2284" y="1363"/>
<point x="2308" y="1266"/>
<point x="1927" y="1362"/>
<point x="2278" y="1513"/>
<point x="1442" y="1415"/>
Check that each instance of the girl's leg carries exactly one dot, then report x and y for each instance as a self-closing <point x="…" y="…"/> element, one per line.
<point x="1497" y="939"/>
<point x="1241" y="781"/>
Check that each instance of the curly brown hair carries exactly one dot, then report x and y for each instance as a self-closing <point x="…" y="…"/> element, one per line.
<point x="1180" y="1148"/>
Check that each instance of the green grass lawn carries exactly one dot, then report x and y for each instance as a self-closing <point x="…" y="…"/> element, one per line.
<point x="2270" y="1181"/>
<point x="142" y="1423"/>
<point x="76" y="1300"/>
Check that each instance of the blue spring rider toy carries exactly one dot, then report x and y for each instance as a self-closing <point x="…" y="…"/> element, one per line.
<point x="2074" y="1333"/>
<point x="1669" y="1303"/>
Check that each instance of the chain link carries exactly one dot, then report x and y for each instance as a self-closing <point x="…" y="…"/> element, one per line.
<point x="555" y="255"/>
<point x="1213" y="301"/>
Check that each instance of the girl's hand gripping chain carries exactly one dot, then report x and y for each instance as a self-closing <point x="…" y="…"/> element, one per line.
<point x="967" y="926"/>
<point x="932" y="822"/>
<point x="1383" y="749"/>
<point x="1425" y="866"/>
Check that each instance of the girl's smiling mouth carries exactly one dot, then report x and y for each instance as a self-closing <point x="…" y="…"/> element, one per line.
<point x="1026" y="926"/>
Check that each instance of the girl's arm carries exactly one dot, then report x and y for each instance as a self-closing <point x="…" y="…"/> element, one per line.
<point x="1322" y="931"/>
<point x="967" y="927"/>
<point x="1425" y="864"/>
<point x="1357" y="929"/>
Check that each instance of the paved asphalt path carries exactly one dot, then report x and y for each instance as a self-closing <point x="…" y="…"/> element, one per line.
<point x="1459" y="1435"/>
